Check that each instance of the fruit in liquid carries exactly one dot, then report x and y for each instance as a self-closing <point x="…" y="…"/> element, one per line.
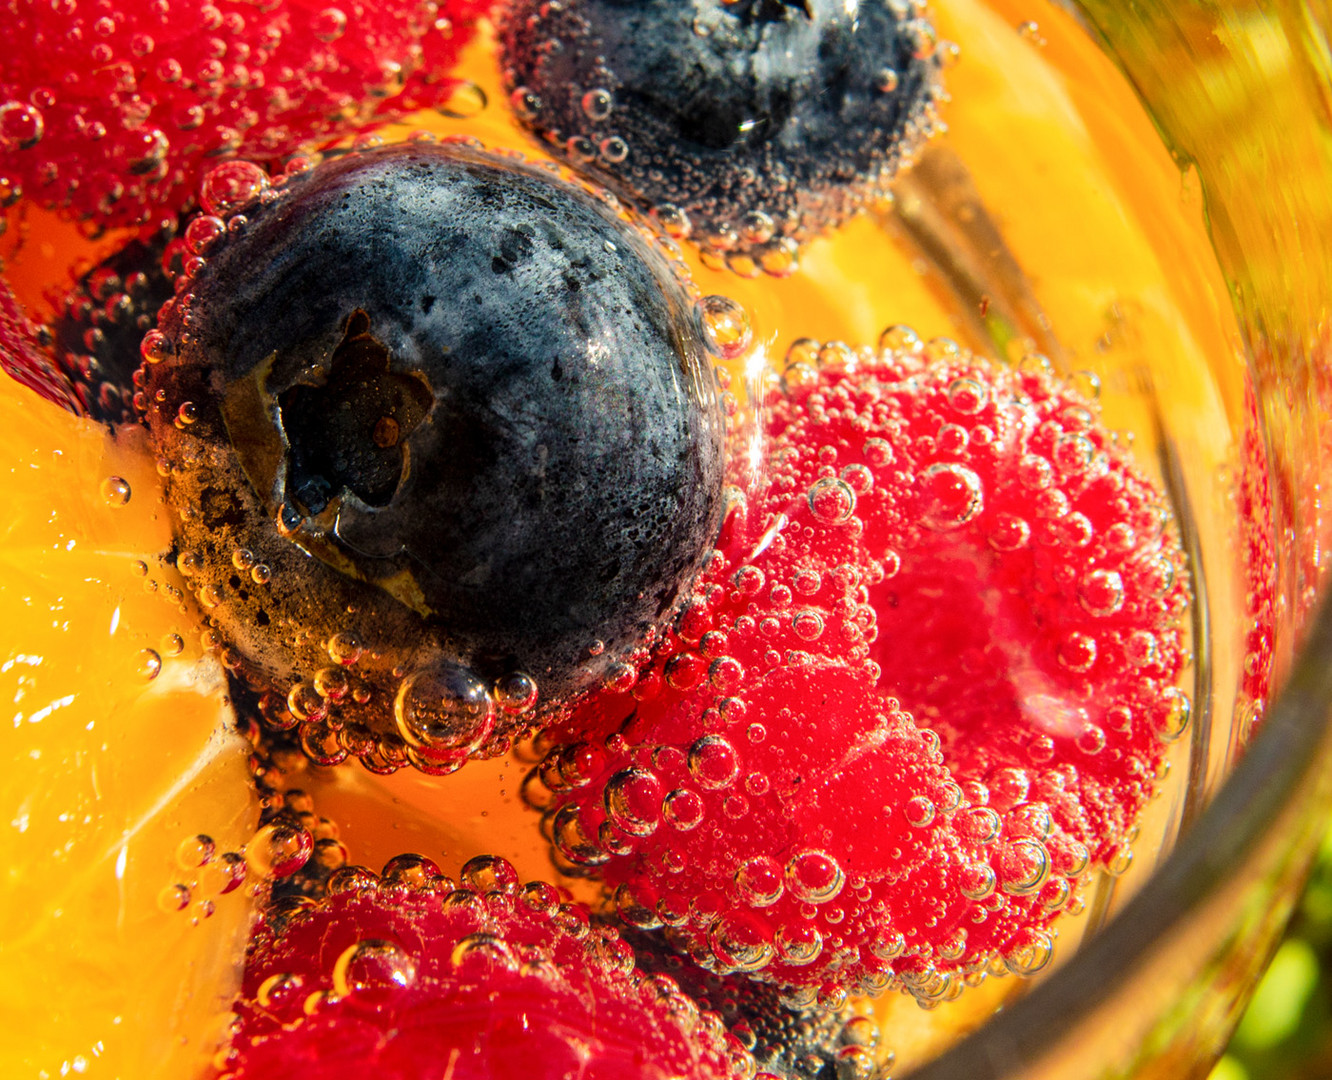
<point x="1115" y="278"/>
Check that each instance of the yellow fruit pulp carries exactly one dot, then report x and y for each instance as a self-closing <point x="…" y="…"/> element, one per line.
<point x="105" y="770"/>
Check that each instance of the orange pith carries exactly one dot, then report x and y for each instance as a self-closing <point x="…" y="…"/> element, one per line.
<point x="1123" y="276"/>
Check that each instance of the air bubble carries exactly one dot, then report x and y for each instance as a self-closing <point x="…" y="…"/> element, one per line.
<point x="1102" y="593"/>
<point x="345" y="648"/>
<point x="633" y="801"/>
<point x="808" y="625"/>
<point x="1077" y="652"/>
<point x="572" y="840"/>
<point x="174" y="898"/>
<point x="831" y="501"/>
<point x="1010" y="533"/>
<point x="1030" y="958"/>
<point x="195" y="851"/>
<point x="329" y="25"/>
<point x="967" y="396"/>
<point x="1172" y="714"/>
<point x="900" y="339"/>
<point x="411" y="871"/>
<point x="953" y="495"/>
<point x="21" y="125"/>
<point x="373" y="966"/>
<point x="725" y="326"/>
<point x="740" y="943"/>
<point x="116" y="491"/>
<point x="445" y="709"/>
<point x="759" y="881"/>
<point x="487" y="874"/>
<point x="919" y="811"/>
<point x="886" y="81"/>
<point x="516" y="692"/>
<point x="597" y="104"/>
<point x="977" y="881"/>
<point x="278" y="850"/>
<point x="798" y="944"/>
<point x="712" y="762"/>
<point x="465" y="101"/>
<point x="684" y="809"/>
<point x="525" y="102"/>
<point x="614" y="149"/>
<point x="1022" y="867"/>
<point x="814" y="877"/>
<point x="673" y="220"/>
<point x="230" y="186"/>
<point x="148" y="664"/>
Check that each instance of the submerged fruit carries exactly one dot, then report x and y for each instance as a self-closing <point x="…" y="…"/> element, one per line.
<point x="116" y="747"/>
<point x="103" y="318"/>
<point x="113" y="110"/>
<point x="444" y="443"/>
<point x="406" y="976"/>
<point x="749" y="126"/>
<point x="924" y="684"/>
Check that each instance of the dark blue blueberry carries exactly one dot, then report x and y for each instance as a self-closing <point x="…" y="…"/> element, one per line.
<point x="788" y="1042"/>
<point x="95" y="337"/>
<point x="463" y="416"/>
<point x="750" y="125"/>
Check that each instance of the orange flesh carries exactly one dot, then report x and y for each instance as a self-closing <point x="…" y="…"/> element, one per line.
<point x="1092" y="207"/>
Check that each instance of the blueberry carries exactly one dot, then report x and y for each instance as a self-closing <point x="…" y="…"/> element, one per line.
<point x="445" y="442"/>
<point x="96" y="334"/>
<point x="790" y="1042"/>
<point x="749" y="125"/>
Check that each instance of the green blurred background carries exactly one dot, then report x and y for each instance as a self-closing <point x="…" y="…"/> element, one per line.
<point x="1287" y="1032"/>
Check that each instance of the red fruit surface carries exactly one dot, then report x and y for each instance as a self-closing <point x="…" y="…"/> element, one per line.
<point x="404" y="977"/>
<point x="926" y="680"/>
<point x="23" y="360"/>
<point x="114" y="108"/>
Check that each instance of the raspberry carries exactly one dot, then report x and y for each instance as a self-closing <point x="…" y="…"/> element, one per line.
<point x="926" y="680"/>
<point x="112" y="109"/>
<point x="23" y="359"/>
<point x="407" y="977"/>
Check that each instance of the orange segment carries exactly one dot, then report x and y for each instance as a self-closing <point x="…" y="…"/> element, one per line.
<point x="103" y="770"/>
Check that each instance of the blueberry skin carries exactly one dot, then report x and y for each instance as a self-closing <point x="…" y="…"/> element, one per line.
<point x="476" y="397"/>
<point x="753" y="124"/>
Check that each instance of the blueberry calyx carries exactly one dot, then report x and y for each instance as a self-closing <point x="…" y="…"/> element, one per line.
<point x="349" y="434"/>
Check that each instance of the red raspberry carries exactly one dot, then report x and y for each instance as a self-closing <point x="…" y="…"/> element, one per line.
<point x="967" y="540"/>
<point x="405" y="977"/>
<point x="114" y="108"/>
<point x="23" y="359"/>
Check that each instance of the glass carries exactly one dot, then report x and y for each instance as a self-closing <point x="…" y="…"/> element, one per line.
<point x="1157" y="990"/>
<point x="1240" y="93"/>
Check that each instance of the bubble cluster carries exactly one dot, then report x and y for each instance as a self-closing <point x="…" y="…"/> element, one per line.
<point x="407" y="966"/>
<point x="149" y="94"/>
<point x="950" y="621"/>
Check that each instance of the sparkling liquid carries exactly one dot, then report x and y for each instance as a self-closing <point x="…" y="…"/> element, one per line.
<point x="1048" y="220"/>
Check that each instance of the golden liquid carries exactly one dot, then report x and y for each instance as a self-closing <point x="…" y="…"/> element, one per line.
<point x="1101" y="262"/>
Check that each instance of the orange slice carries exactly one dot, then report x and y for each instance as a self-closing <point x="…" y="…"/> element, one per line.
<point x="113" y="752"/>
